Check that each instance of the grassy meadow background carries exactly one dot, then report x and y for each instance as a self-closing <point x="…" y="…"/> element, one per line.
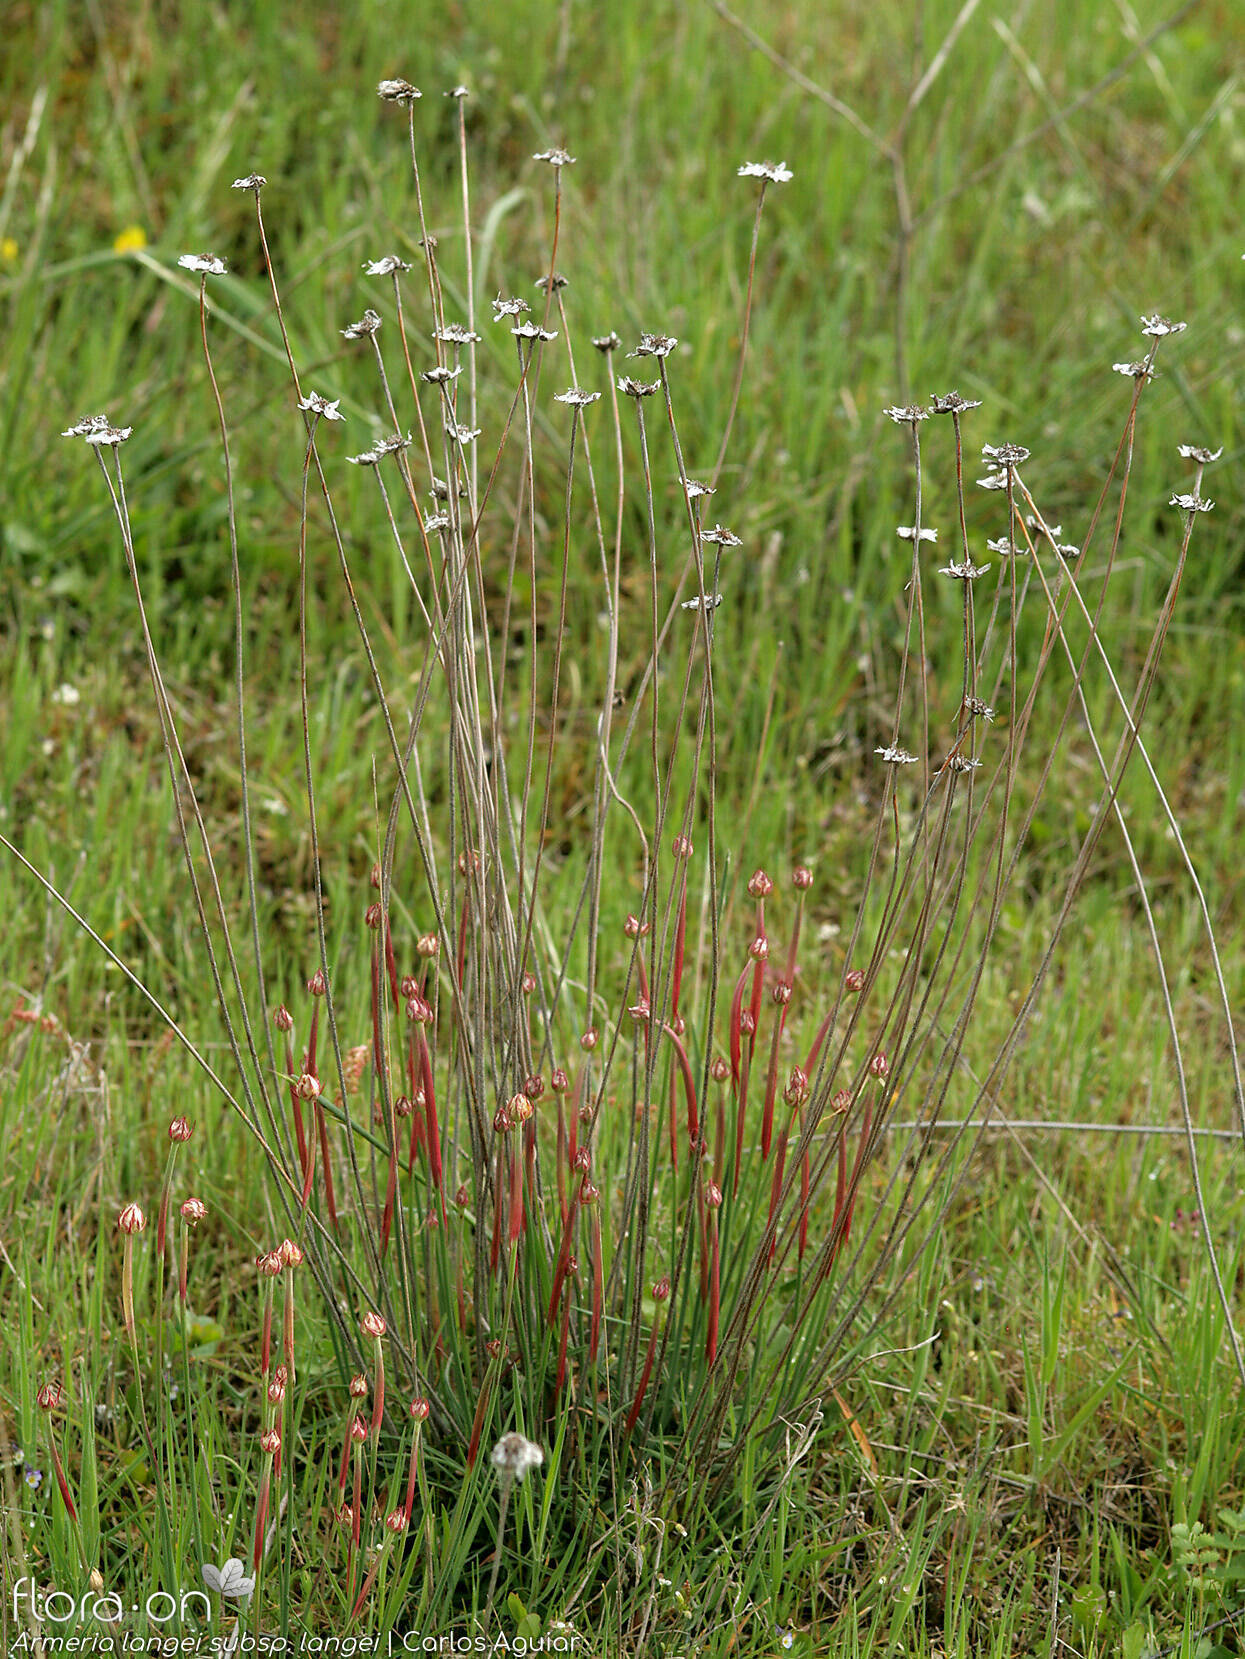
<point x="1061" y="1397"/>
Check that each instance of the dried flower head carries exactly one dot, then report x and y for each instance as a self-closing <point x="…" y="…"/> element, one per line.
<point x="531" y="331"/>
<point x="907" y="414"/>
<point x="637" y="388"/>
<point x="558" y="282"/>
<point x="576" y="397"/>
<point x="606" y="342"/>
<point x="556" y="158"/>
<point x="1004" y="456"/>
<point x="951" y="403"/>
<point x="961" y="763"/>
<point x="88" y="424"/>
<point x="978" y="709"/>
<point x="695" y="489"/>
<point x="398" y="92"/>
<point x="315" y="403"/>
<point x="203" y="264"/>
<point x="1156" y="327"/>
<point x="513" y="1456"/>
<point x="1139" y="370"/>
<point x="385" y="266"/>
<point x="367" y="325"/>
<point x="654" y="345"/>
<point x="720" y="536"/>
<point x="1191" y="503"/>
<point x="456" y="334"/>
<point x="254" y="182"/>
<point x="1195" y="452"/>
<point x="509" y="308"/>
<point x="893" y="756"/>
<point x="773" y="172"/>
<point x="269" y="1264"/>
<point x="963" y="573"/>
<point x="702" y="602"/>
<point x="911" y="532"/>
<point x="441" y="376"/>
<point x="307" y="1087"/>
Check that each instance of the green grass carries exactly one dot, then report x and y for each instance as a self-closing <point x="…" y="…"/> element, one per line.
<point x="1004" y="1463"/>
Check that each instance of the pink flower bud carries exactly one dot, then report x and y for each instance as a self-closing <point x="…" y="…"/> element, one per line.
<point x="131" y="1220"/>
<point x="358" y="1386"/>
<point x="427" y="945"/>
<point x="720" y="1070"/>
<point x="270" y="1440"/>
<point x="372" y="915"/>
<point x="661" y="1290"/>
<point x="681" y="847"/>
<point x="759" y="885"/>
<point x="307" y="1086"/>
<point x="420" y="1409"/>
<point x="879" y="1066"/>
<point x="802" y="878"/>
<point x="50" y="1396"/>
<point x="589" y="1040"/>
<point x="373" y="1325"/>
<point x="283" y="1019"/>
<point x="193" y="1210"/>
<point x="854" y="980"/>
<point x="180" y="1130"/>
<point x="358" y="1431"/>
<point x="559" y="1082"/>
<point x="317" y="984"/>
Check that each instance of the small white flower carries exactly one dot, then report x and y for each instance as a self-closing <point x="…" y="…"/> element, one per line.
<point x="316" y="404"/>
<point x="203" y="264"/>
<point x="1134" y="371"/>
<point x="368" y="458"/>
<point x="695" y="489"/>
<point x="441" y="376"/>
<point x="703" y="602"/>
<point x="436" y="521"/>
<point x="385" y="266"/>
<point x="529" y="331"/>
<point x="721" y="536"/>
<point x="252" y="181"/>
<point x="909" y="532"/>
<point x="996" y="481"/>
<point x="508" y="308"/>
<point x="892" y="756"/>
<point x="229" y="1581"/>
<point x="457" y="92"/>
<point x="1195" y="452"/>
<point x="112" y="436"/>
<point x="68" y="695"/>
<point x="395" y="441"/>
<point x="576" y="397"/>
<point x="773" y="172"/>
<point x="462" y="434"/>
<point x="963" y="573"/>
<point x="555" y="158"/>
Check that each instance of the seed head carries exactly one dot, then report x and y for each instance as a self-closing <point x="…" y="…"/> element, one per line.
<point x="907" y="414"/>
<point x="961" y="763"/>
<point x="892" y="756"/>
<point x="909" y="532"/>
<point x="455" y="334"/>
<point x="978" y="708"/>
<point x="559" y="282"/>
<point x="576" y="397"/>
<point x="1203" y="457"/>
<point x="963" y="573"/>
<point x="720" y="536"/>
<point x="131" y="1220"/>
<point x="1004" y="456"/>
<point x="84" y="427"/>
<point x="254" y="182"/>
<point x="605" y="343"/>
<point x="556" y="158"/>
<point x="1139" y="370"/>
<point x="530" y="331"/>
<point x="637" y="388"/>
<point x="513" y="1456"/>
<point x="367" y="325"/>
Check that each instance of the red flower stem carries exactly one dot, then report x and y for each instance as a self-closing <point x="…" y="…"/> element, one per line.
<point x="711" y="1341"/>
<point x="330" y="1200"/>
<point x="689" y="1085"/>
<point x="633" y="1415"/>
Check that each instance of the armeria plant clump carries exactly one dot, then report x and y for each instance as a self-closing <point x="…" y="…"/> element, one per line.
<point x="577" y="1152"/>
